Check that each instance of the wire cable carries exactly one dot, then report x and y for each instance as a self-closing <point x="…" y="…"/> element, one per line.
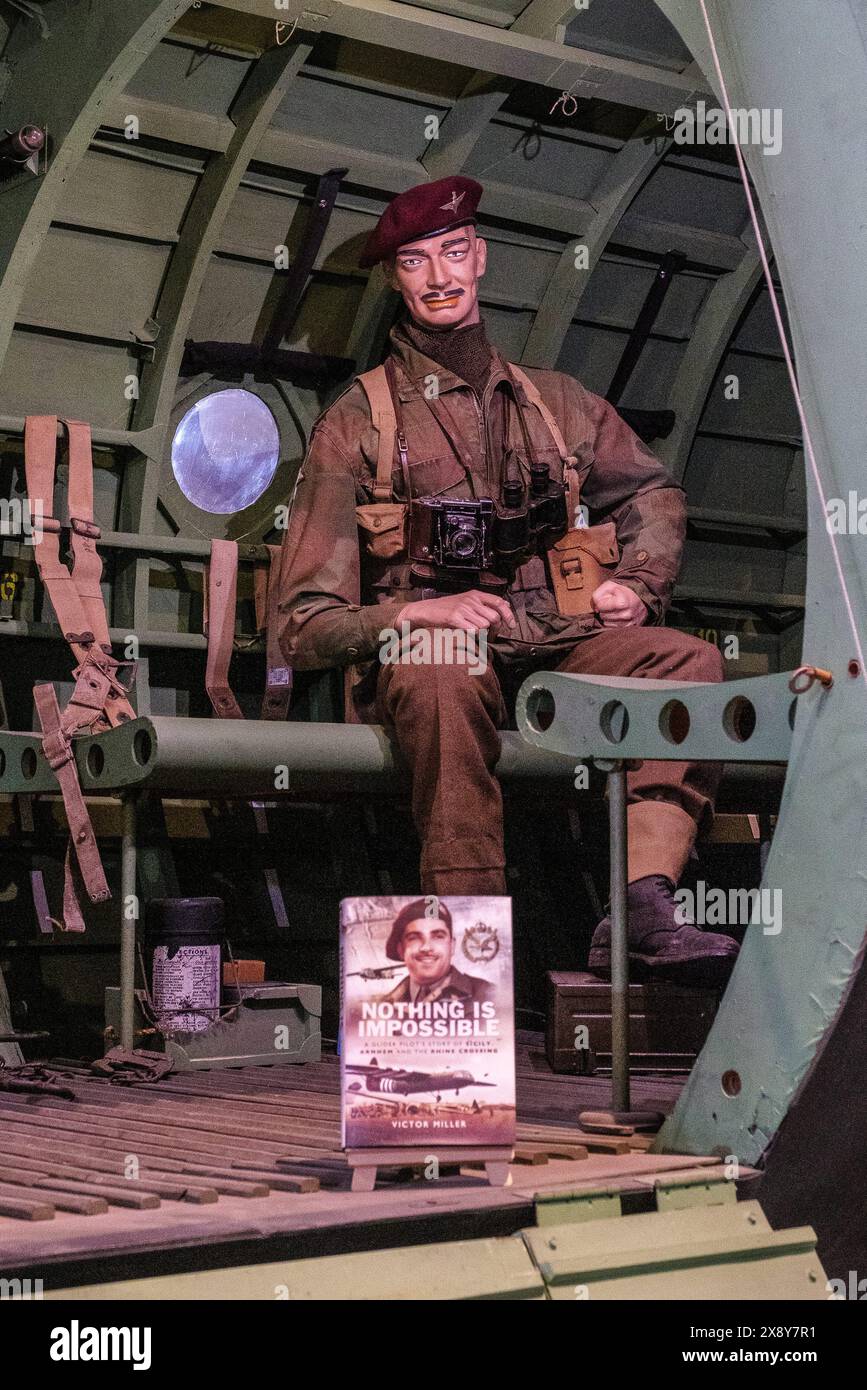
<point x="790" y="366"/>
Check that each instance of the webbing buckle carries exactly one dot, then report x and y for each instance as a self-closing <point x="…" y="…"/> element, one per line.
<point x="57" y="749"/>
<point x="108" y="666"/>
<point x="88" y="529"/>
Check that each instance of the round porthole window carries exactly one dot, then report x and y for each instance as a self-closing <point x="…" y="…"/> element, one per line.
<point x="225" y="451"/>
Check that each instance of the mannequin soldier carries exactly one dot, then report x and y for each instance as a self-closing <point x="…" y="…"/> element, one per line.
<point x="467" y="428"/>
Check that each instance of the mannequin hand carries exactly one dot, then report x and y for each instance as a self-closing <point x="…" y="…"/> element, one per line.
<point x="618" y="606"/>
<point x="472" y="611"/>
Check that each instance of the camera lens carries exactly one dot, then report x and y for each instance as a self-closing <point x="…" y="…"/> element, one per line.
<point x="464" y="542"/>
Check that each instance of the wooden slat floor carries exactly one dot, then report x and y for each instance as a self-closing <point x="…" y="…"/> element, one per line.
<point x="179" y="1172"/>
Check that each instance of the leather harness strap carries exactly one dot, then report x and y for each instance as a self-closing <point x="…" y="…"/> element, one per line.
<point x="220" y="598"/>
<point x="278" y="676"/>
<point x="75" y="596"/>
<point x="384" y="420"/>
<point x="99" y="700"/>
<point x="570" y="463"/>
<point x="222" y="587"/>
<point x="57" y="747"/>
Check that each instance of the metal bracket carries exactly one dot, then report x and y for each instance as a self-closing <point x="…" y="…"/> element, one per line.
<point x="629" y="717"/>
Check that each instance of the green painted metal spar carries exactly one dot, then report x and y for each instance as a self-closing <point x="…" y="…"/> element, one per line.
<point x="808" y="62"/>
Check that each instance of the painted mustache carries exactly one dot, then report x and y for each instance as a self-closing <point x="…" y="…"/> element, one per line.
<point x="441" y="301"/>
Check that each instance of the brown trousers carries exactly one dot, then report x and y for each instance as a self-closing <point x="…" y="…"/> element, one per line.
<point x="447" y="721"/>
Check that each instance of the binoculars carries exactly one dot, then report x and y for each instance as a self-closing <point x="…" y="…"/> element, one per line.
<point x="463" y="538"/>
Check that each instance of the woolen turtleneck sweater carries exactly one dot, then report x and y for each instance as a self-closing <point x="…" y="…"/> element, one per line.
<point x="464" y="351"/>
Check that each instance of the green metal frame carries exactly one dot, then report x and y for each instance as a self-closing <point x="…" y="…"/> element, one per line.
<point x="629" y="171"/>
<point x="582" y="1249"/>
<point x="63" y="81"/>
<point x="597" y="717"/>
<point x="707" y="347"/>
<point x="241" y="758"/>
<point x="810" y="62"/>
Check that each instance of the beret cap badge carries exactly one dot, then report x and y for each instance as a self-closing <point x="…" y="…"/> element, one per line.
<point x="427" y="210"/>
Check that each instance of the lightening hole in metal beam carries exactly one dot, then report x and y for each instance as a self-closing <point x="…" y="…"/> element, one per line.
<point x="541" y="709"/>
<point x="28" y="764"/>
<point x="739" y="719"/>
<point x="95" y="760"/>
<point x="142" y="747"/>
<point x="731" y="1083"/>
<point x="674" y="721"/>
<point x="614" y="721"/>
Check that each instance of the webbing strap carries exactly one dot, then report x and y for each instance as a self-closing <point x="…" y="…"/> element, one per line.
<point x="570" y="463"/>
<point x="76" y="596"/>
<point x="57" y="746"/>
<point x="87" y="562"/>
<point x="98" y="701"/>
<point x="40" y="440"/>
<point x="384" y="419"/>
<point x="278" y="676"/>
<point x="222" y="588"/>
<point x="535" y="399"/>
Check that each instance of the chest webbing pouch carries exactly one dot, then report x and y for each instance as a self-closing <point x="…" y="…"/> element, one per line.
<point x="587" y="555"/>
<point x="99" y="700"/>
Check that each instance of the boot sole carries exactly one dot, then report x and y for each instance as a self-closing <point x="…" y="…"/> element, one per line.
<point x="712" y="972"/>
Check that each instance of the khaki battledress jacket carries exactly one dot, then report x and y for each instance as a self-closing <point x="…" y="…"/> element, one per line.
<point x="335" y="600"/>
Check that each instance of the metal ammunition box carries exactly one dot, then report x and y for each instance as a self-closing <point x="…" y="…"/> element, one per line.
<point x="668" y="1024"/>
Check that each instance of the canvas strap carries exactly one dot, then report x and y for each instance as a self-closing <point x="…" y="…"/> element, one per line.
<point x="75" y="594"/>
<point x="99" y="700"/>
<point x="57" y="746"/>
<point x="278" y="676"/>
<point x="570" y="463"/>
<point x="221" y="590"/>
<point x="384" y="420"/>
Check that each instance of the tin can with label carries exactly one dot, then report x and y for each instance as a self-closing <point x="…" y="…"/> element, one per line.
<point x="184" y="938"/>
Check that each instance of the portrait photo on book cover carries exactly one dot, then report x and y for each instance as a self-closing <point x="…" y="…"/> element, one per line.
<point x="427" y="1046"/>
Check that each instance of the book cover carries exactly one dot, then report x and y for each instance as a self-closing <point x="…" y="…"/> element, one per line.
<point x="427" y="1021"/>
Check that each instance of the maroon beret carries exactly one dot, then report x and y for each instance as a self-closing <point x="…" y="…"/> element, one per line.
<point x="413" y="912"/>
<point x="426" y="210"/>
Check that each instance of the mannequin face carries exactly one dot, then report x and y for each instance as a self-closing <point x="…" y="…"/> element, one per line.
<point x="438" y="277"/>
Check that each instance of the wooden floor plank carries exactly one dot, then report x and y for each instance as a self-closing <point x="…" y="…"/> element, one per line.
<point x="208" y="1141"/>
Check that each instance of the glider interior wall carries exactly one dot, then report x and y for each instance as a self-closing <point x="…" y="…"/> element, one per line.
<point x="558" y="174"/>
